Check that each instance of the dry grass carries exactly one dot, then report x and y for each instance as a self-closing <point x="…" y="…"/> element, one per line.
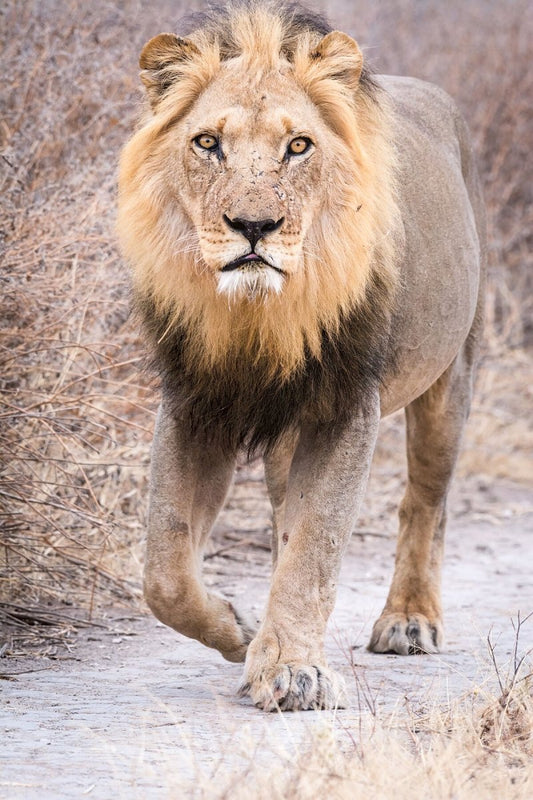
<point x="76" y="414"/>
<point x="477" y="746"/>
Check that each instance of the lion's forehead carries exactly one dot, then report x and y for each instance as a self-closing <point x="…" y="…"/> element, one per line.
<point x="270" y="108"/>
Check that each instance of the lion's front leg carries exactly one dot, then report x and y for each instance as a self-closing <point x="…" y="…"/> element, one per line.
<point x="286" y="667"/>
<point x="189" y="483"/>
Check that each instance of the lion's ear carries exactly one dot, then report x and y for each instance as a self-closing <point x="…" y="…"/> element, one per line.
<point x="158" y="59"/>
<point x="337" y="56"/>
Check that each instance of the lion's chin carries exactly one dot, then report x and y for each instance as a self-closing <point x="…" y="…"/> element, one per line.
<point x="250" y="282"/>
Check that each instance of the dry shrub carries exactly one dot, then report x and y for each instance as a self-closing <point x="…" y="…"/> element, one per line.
<point x="75" y="419"/>
<point x="508" y="719"/>
<point x="76" y="414"/>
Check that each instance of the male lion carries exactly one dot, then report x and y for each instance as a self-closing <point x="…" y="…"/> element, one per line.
<point x="306" y="242"/>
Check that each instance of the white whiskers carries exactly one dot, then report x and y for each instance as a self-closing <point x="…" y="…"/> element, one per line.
<point x="249" y="282"/>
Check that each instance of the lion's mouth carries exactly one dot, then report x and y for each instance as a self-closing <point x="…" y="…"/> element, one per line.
<point x="250" y="260"/>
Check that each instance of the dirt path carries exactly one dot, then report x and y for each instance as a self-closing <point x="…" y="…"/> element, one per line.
<point x="134" y="711"/>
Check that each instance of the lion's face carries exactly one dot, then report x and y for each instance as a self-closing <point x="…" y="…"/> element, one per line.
<point x="249" y="161"/>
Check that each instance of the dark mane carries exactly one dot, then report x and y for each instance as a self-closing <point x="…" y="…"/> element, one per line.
<point x="216" y="22"/>
<point x="240" y="405"/>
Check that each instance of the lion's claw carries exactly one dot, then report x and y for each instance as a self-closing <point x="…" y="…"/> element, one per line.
<point x="296" y="687"/>
<point x="406" y="635"/>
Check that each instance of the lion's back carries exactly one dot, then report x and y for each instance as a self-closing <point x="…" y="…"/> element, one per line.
<point x="441" y="204"/>
<point x="429" y="128"/>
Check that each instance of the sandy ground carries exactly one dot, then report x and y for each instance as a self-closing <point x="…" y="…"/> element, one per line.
<point x="132" y="710"/>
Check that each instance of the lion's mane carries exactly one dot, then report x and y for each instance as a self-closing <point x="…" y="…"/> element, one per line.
<point x="316" y="350"/>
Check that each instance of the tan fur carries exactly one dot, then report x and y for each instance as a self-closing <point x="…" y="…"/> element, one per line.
<point x="253" y="80"/>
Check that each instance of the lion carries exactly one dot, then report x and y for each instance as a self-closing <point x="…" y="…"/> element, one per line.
<point x="307" y="248"/>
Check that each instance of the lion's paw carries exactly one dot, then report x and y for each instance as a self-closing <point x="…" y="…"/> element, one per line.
<point x="234" y="644"/>
<point x="405" y="634"/>
<point x="295" y="687"/>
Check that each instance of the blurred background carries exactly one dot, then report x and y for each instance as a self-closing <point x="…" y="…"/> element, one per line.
<point x="77" y="411"/>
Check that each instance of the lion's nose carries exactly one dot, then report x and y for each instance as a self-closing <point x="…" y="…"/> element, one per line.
<point x="253" y="229"/>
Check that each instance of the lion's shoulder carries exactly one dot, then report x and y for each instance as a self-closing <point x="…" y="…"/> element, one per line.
<point x="425" y="110"/>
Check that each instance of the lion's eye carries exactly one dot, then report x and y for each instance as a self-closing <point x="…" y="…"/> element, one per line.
<point x="298" y="146"/>
<point x="206" y="142"/>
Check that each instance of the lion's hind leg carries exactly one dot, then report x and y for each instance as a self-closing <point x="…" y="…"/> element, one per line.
<point x="411" y="621"/>
<point x="189" y="483"/>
